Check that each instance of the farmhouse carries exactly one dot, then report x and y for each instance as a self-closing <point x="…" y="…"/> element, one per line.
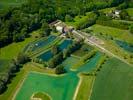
<point x="62" y="27"/>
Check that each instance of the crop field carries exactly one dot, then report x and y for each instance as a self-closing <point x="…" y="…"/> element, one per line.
<point x="114" y="32"/>
<point x="114" y="81"/>
<point x="50" y="85"/>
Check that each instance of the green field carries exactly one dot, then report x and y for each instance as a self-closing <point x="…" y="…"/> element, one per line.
<point x="130" y="11"/>
<point x="69" y="62"/>
<point x="114" y="32"/>
<point x="58" y="88"/>
<point x="7" y="3"/>
<point x="85" y="87"/>
<point x="114" y="82"/>
<point x="83" y="50"/>
<point x="4" y="65"/>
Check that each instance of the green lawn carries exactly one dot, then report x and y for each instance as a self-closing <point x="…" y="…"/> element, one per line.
<point x="11" y="51"/>
<point x="114" y="32"/>
<point x="58" y="88"/>
<point x="107" y="10"/>
<point x="17" y="80"/>
<point x="79" y="20"/>
<point x="85" y="87"/>
<point x="130" y="11"/>
<point x="114" y="82"/>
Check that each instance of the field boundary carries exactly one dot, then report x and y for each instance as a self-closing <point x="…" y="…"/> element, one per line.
<point x="77" y="88"/>
<point x="19" y="86"/>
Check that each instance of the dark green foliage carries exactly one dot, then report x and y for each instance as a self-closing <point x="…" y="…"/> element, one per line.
<point x="131" y="28"/>
<point x="60" y="69"/>
<point x="45" y="29"/>
<point x="116" y="24"/>
<point x="68" y="18"/>
<point x="124" y="14"/>
<point x="17" y="22"/>
<point x="54" y="50"/>
<point x="22" y="58"/>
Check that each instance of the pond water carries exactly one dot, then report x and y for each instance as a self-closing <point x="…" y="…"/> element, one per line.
<point x="91" y="63"/>
<point x="42" y="42"/>
<point x="48" y="55"/>
<point x="65" y="44"/>
<point x="125" y="45"/>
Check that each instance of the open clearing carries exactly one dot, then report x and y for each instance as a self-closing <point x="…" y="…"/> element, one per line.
<point x="114" y="82"/>
<point x="58" y="88"/>
<point x="114" y="32"/>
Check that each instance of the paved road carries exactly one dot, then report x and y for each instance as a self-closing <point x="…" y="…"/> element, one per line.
<point x="90" y="42"/>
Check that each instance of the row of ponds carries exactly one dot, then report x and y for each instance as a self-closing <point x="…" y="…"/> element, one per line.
<point x="48" y="55"/>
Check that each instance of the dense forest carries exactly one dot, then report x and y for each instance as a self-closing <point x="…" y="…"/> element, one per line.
<point x="17" y="22"/>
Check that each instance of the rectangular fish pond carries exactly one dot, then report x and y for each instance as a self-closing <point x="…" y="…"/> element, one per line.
<point x="48" y="55"/>
<point x="40" y="43"/>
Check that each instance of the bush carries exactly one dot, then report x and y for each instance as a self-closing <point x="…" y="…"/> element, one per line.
<point x="60" y="69"/>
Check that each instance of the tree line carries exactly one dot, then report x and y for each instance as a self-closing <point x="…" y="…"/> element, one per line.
<point x="14" y="67"/>
<point x="17" y="22"/>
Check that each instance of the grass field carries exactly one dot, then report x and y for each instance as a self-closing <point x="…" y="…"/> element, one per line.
<point x="89" y="65"/>
<point x="7" y="3"/>
<point x="81" y="19"/>
<point x="114" y="32"/>
<point x="107" y="10"/>
<point x="114" y="82"/>
<point x="4" y="65"/>
<point x="16" y="81"/>
<point x="83" y="50"/>
<point x="130" y="11"/>
<point x="69" y="62"/>
<point x="85" y="87"/>
<point x="11" y="51"/>
<point x="35" y="82"/>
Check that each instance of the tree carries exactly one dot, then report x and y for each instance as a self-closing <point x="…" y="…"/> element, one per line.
<point x="131" y="28"/>
<point x="2" y="87"/>
<point x="124" y="14"/>
<point x="65" y="53"/>
<point x="54" y="50"/>
<point x="60" y="69"/>
<point x="51" y="63"/>
<point x="45" y="29"/>
<point x="68" y="18"/>
<point x="54" y="29"/>
<point x="22" y="58"/>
